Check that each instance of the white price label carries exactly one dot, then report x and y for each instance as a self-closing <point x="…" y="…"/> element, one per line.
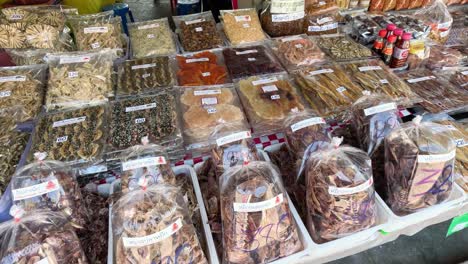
<point x="140" y="107"/>
<point x="336" y="191"/>
<point x="384" y="81"/>
<point x="307" y="123"/>
<point x="369" y="68"/>
<point x="90" y="30"/>
<point x="196" y="60"/>
<point x="259" y="206"/>
<point x="320" y="72"/>
<point x="198" y="29"/>
<point x="291" y="38"/>
<point x="461" y="142"/>
<point x="143" y="162"/>
<point x="146" y="75"/>
<point x="286" y="6"/>
<point x="246" y="18"/>
<point x="436" y="158"/>
<point x="233" y="137"/>
<point x="194" y="21"/>
<point x="245" y="25"/>
<point x="211" y="110"/>
<point x="246" y="52"/>
<point x="287" y="17"/>
<point x="206" y="92"/>
<point x="380" y="108"/>
<point x="340" y="89"/>
<point x="251" y="59"/>
<point x="140" y="120"/>
<point x="95" y="45"/>
<point x="298" y="46"/>
<point x="421" y="79"/>
<point x="206" y="74"/>
<point x="269" y="88"/>
<point x="78" y="59"/>
<point x="5" y="94"/>
<point x="73" y="74"/>
<point x="62" y="139"/>
<point x="275" y="97"/>
<point x="129" y="242"/>
<point x="35" y="190"/>
<point x="323" y="28"/>
<point x="209" y="101"/>
<point x="16" y="17"/>
<point x="143" y="66"/>
<point x="150" y="36"/>
<point x="70" y="121"/>
<point x="148" y="26"/>
<point x="16" y="78"/>
<point x="324" y="20"/>
<point x="264" y="81"/>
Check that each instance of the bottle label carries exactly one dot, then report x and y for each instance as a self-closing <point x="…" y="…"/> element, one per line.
<point x="378" y="45"/>
<point x="400" y="54"/>
<point x="387" y="51"/>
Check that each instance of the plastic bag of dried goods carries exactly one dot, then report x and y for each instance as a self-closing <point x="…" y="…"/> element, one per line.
<point x="322" y="22"/>
<point x="242" y="26"/>
<point x="152" y="225"/>
<point x="419" y="165"/>
<point x="41" y="236"/>
<point x="258" y="226"/>
<point x="281" y="24"/>
<point x="52" y="185"/>
<point x="438" y="17"/>
<point x="340" y="193"/>
<point x="150" y="38"/>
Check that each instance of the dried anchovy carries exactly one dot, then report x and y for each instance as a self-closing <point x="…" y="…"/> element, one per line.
<point x="292" y="24"/>
<point x="242" y="26"/>
<point x="151" y="38"/>
<point x="78" y="141"/>
<point x="299" y="52"/>
<point x="144" y="75"/>
<point x="343" y="48"/>
<point x="199" y="36"/>
<point x="108" y="34"/>
<point x="158" y="121"/>
<point x="261" y="236"/>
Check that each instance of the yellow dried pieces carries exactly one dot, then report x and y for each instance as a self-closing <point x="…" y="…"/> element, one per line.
<point x="92" y="35"/>
<point x="151" y="38"/>
<point x="242" y="26"/>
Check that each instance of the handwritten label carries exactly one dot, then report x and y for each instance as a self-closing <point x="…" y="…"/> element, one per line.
<point x="369" y="68"/>
<point x="140" y="120"/>
<point x="287" y="17"/>
<point x="196" y="60"/>
<point x="16" y="17"/>
<point x="143" y="162"/>
<point x="209" y="101"/>
<point x="287" y="6"/>
<point x="336" y="191"/>
<point x="62" y="139"/>
<point x="5" y="94"/>
<point x="148" y="26"/>
<point x="243" y="18"/>
<point x="143" y="66"/>
<point x="246" y="52"/>
<point x="150" y="36"/>
<point x="251" y="59"/>
<point x="340" y="89"/>
<point x="233" y="137"/>
<point x="269" y="88"/>
<point x="264" y="81"/>
<point x="380" y="108"/>
<point x="195" y="21"/>
<point x="90" y="30"/>
<point x="324" y="20"/>
<point x="73" y="74"/>
<point x="95" y="45"/>
<point x="206" y="74"/>
<point x="291" y="38"/>
<point x="140" y="107"/>
<point x="259" y="206"/>
<point x="320" y="72"/>
<point x="78" y="59"/>
<point x="16" y="78"/>
<point x="323" y="28"/>
<point x="35" y="190"/>
<point x="211" y="110"/>
<point x="436" y="157"/>
<point x="130" y="242"/>
<point x="198" y="29"/>
<point x="70" y="121"/>
<point x="275" y="97"/>
<point x="206" y="92"/>
<point x="307" y="123"/>
<point x="383" y="81"/>
<point x="421" y="79"/>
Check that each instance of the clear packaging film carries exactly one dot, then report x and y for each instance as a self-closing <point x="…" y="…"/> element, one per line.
<point x="441" y="57"/>
<point x="249" y="61"/>
<point x="343" y="48"/>
<point x="153" y="225"/>
<point x="438" y="94"/>
<point x="151" y="38"/>
<point x="97" y="31"/>
<point x="327" y="89"/>
<point x="23" y="86"/>
<point x="202" y="69"/>
<point x="74" y="136"/>
<point x="281" y="24"/>
<point x="28" y="56"/>
<point x="297" y="51"/>
<point x="145" y="75"/>
<point x="340" y="194"/>
<point x="419" y="166"/>
<point x="155" y="117"/>
<point x="457" y="76"/>
<point x="198" y="32"/>
<point x="322" y="21"/>
<point x="242" y="26"/>
<point x="268" y="100"/>
<point x="79" y="78"/>
<point x="206" y="107"/>
<point x="49" y="185"/>
<point x="40" y="236"/>
<point x="438" y="17"/>
<point x="258" y="226"/>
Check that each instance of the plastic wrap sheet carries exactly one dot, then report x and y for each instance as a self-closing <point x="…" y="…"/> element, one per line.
<point x="202" y="69"/>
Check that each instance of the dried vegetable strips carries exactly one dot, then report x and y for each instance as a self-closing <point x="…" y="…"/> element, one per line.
<point x="198" y="32"/>
<point x="150" y="38"/>
<point x="268" y="100"/>
<point x="242" y="26"/>
<point x="144" y="75"/>
<point x="258" y="226"/>
<point x="327" y="89"/>
<point x="343" y="48"/>
<point x="340" y="194"/>
<point x="297" y="51"/>
<point x="249" y="61"/>
<point x="281" y="24"/>
<point x="200" y="69"/>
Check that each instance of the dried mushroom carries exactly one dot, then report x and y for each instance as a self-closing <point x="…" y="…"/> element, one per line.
<point x="258" y="226"/>
<point x="343" y="48"/>
<point x="151" y="38"/>
<point x="297" y="51"/>
<point x="23" y="86"/>
<point x="73" y="136"/>
<point x="144" y="75"/>
<point x="152" y="226"/>
<point x="340" y="194"/>
<point x="79" y="78"/>
<point x="242" y="26"/>
<point x="200" y="69"/>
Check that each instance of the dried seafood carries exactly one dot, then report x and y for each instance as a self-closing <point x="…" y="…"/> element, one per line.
<point x="258" y="226"/>
<point x="340" y="195"/>
<point x="323" y="22"/>
<point x="242" y="26"/>
<point x="419" y="163"/>
<point x="200" y="69"/>
<point x="41" y="236"/>
<point x="73" y="136"/>
<point x="297" y="51"/>
<point x="277" y="25"/>
<point x="49" y="185"/>
<point x="79" y="78"/>
<point x="151" y="38"/>
<point x="267" y="101"/>
<point x="144" y="75"/>
<point x="154" y="117"/>
<point x="343" y="48"/>
<point x="327" y="89"/>
<point x="152" y="226"/>
<point x="91" y="34"/>
<point x="198" y="32"/>
<point x="23" y="86"/>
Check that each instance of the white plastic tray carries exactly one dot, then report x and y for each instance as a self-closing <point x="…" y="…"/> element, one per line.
<point x="211" y="254"/>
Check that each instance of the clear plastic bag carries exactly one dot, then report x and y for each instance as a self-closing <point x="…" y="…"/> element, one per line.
<point x="343" y="48"/>
<point x="419" y="165"/>
<point x="258" y="226"/>
<point x="198" y="32"/>
<point x="79" y="78"/>
<point x="340" y="193"/>
<point x="268" y="100"/>
<point x="23" y="86"/>
<point x="49" y="185"/>
<point x="438" y="17"/>
<point x="152" y="225"/>
<point x="242" y="26"/>
<point x="202" y="69"/>
<point x="323" y="22"/>
<point x="155" y="117"/>
<point x="442" y="57"/>
<point x="28" y="56"/>
<point x="151" y="38"/>
<point x="40" y="236"/>
<point x="297" y="51"/>
<point x="144" y="75"/>
<point x="250" y="61"/>
<point x="282" y="24"/>
<point x="457" y="76"/>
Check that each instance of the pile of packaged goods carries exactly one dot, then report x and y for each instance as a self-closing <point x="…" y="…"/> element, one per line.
<point x="253" y="140"/>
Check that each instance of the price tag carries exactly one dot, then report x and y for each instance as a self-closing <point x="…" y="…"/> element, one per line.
<point x="73" y="74"/>
<point x="211" y="110"/>
<point x="146" y="75"/>
<point x="95" y="45"/>
<point x="421" y="79"/>
<point x="90" y="30"/>
<point x="269" y="88"/>
<point x="243" y="18"/>
<point x="259" y="206"/>
<point x="320" y="72"/>
<point x="307" y="123"/>
<point x="287" y="17"/>
<point x="138" y="242"/>
<point x="195" y="21"/>
<point x="275" y="97"/>
<point x="206" y="74"/>
<point x="341" y="89"/>
<point x="384" y="81"/>
<point x="337" y="191"/>
<point x="150" y="36"/>
<point x="369" y="68"/>
<point x="70" y="121"/>
<point x="198" y="29"/>
<point x="16" y="78"/>
<point x="251" y="59"/>
<point x="143" y="162"/>
<point x="196" y="60"/>
<point x="78" y="59"/>
<point x="209" y="101"/>
<point x="380" y="108"/>
<point x="246" y="52"/>
<point x="206" y="92"/>
<point x="148" y="26"/>
<point x="5" y="94"/>
<point x="264" y="81"/>
<point x="298" y="46"/>
<point x="233" y="137"/>
<point x="62" y="139"/>
<point x="140" y="120"/>
<point x="140" y="107"/>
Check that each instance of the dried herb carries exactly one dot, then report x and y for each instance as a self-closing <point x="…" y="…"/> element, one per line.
<point x="198" y="32"/>
<point x="297" y="51"/>
<point x="277" y="25"/>
<point x="242" y="26"/>
<point x="343" y="48"/>
<point x="150" y="38"/>
<point x="200" y="69"/>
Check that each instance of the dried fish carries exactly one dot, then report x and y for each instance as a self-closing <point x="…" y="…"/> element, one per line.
<point x="342" y="48"/>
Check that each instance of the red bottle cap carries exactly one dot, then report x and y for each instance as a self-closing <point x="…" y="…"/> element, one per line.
<point x="391" y="27"/>
<point x="398" y="32"/>
<point x="406" y="36"/>
<point x="382" y="33"/>
<point x="392" y="39"/>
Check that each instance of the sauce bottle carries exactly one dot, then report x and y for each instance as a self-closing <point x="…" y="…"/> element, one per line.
<point x="379" y="41"/>
<point x="388" y="49"/>
<point x="390" y="28"/>
<point x="398" y="32"/>
<point x="400" y="52"/>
